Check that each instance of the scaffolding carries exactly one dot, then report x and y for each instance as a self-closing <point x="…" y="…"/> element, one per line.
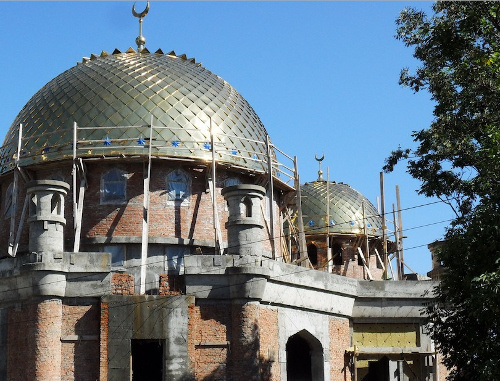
<point x="272" y="167"/>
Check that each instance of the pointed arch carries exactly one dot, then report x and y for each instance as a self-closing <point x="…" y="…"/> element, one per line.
<point x="304" y="357"/>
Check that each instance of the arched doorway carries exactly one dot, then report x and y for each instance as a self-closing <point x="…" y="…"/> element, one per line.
<point x="304" y="358"/>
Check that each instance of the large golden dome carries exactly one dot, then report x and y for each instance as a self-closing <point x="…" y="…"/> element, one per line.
<point x="117" y="95"/>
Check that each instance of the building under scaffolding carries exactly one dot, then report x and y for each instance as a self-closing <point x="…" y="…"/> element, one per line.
<point x="152" y="231"/>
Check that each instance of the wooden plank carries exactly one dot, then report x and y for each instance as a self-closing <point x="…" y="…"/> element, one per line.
<point x="379" y="259"/>
<point x="270" y="195"/>
<point x="78" y="216"/>
<point x="145" y="212"/>
<point x="384" y="226"/>
<point x="302" y="235"/>
<point x="212" y="184"/>
<point x="20" y="227"/>
<point x="360" y="253"/>
<point x="15" y="184"/>
<point x="401" y="267"/>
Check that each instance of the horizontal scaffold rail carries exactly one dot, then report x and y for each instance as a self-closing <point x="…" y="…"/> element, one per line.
<point x="144" y="140"/>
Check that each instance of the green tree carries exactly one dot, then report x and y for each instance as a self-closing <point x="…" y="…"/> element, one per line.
<point x="457" y="159"/>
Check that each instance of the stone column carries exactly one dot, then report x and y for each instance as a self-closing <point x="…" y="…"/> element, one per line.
<point x="46" y="215"/>
<point x="244" y="225"/>
<point x="46" y="235"/>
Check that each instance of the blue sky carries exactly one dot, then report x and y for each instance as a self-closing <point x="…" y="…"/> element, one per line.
<point x="322" y="76"/>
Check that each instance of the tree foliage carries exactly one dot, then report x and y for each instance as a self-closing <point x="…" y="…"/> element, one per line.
<point x="458" y="160"/>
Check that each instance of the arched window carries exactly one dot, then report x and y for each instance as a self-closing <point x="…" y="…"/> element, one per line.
<point x="114" y="187"/>
<point x="337" y="254"/>
<point x="178" y="187"/>
<point x="312" y="253"/>
<point x="7" y="205"/>
<point x="247" y="207"/>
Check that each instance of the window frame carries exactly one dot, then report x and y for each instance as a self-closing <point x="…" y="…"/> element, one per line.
<point x="115" y="201"/>
<point x="184" y="200"/>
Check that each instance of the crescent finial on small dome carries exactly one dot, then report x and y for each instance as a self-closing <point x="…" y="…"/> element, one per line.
<point x="320" y="172"/>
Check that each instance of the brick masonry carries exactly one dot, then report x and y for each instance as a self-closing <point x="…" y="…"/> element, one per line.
<point x="122" y="284"/>
<point x="269" y="344"/>
<point x="208" y="343"/>
<point x="339" y="342"/>
<point x="170" y="284"/>
<point x="21" y="342"/>
<point x="80" y="342"/>
<point x="194" y="220"/>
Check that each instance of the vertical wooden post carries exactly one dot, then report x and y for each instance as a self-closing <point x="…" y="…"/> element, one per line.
<point x="302" y="235"/>
<point x="396" y="240"/>
<point x="328" y="248"/>
<point x="145" y="214"/>
<point x="20" y="226"/>
<point x="270" y="195"/>
<point x="384" y="227"/>
<point x="73" y="173"/>
<point x="365" y="232"/>
<point x="77" y="198"/>
<point x="400" y="227"/>
<point x="15" y="191"/>
<point x="213" y="189"/>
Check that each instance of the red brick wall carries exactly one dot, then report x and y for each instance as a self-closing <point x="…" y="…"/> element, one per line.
<point x="269" y="344"/>
<point x="21" y="343"/>
<point x="103" y="342"/>
<point x="210" y="329"/>
<point x="194" y="221"/>
<point x="80" y="342"/>
<point x="170" y="284"/>
<point x="339" y="343"/>
<point x="122" y="284"/>
<point x="5" y="221"/>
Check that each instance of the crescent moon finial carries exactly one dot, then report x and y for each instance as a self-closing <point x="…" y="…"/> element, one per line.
<point x="319" y="160"/>
<point x="140" y="40"/>
<point x="140" y="14"/>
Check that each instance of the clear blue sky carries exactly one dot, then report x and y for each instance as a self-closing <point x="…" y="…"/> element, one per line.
<point x="322" y="76"/>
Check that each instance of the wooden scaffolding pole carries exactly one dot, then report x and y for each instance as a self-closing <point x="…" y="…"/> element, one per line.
<point x="396" y="240"/>
<point x="145" y="214"/>
<point x="20" y="226"/>
<point x="365" y="233"/>
<point x="302" y="235"/>
<point x="15" y="186"/>
<point x="78" y="195"/>
<point x="400" y="228"/>
<point x="328" y="248"/>
<point x="270" y="195"/>
<point x="384" y="224"/>
<point x="213" y="191"/>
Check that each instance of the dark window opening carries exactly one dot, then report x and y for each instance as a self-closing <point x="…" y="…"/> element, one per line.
<point x="378" y="370"/>
<point x="337" y="254"/>
<point x="298" y="359"/>
<point x="247" y="206"/>
<point x="147" y="360"/>
<point x="312" y="253"/>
